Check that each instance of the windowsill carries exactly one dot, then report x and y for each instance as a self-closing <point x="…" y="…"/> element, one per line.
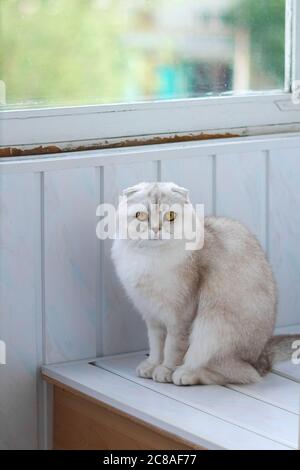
<point x="85" y="126"/>
<point x="127" y="155"/>
<point x="257" y="416"/>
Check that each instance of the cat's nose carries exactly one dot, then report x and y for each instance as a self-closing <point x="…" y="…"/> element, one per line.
<point x="156" y="230"/>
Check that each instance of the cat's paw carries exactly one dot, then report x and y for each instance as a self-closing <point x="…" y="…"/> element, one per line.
<point x="184" y="376"/>
<point x="162" y="374"/>
<point x="145" y="369"/>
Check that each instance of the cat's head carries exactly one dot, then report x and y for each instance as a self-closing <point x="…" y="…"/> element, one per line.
<point x="155" y="214"/>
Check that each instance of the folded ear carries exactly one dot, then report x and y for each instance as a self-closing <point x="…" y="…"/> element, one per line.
<point x="133" y="189"/>
<point x="129" y="191"/>
<point x="182" y="191"/>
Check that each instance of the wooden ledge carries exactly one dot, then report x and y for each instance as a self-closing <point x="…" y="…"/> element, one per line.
<point x="83" y="423"/>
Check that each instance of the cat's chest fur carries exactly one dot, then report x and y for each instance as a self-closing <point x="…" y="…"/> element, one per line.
<point x="154" y="284"/>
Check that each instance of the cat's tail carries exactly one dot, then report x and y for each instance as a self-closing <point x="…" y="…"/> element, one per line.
<point x="278" y="349"/>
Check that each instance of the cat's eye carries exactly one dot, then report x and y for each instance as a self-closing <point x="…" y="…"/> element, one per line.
<point x="142" y="216"/>
<point x="170" y="216"/>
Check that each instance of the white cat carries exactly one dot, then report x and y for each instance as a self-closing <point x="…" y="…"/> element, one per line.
<point x="210" y="312"/>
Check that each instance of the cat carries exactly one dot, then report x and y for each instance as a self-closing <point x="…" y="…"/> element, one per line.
<point x="210" y="312"/>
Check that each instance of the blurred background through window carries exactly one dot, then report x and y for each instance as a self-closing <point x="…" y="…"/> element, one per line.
<point x="77" y="52"/>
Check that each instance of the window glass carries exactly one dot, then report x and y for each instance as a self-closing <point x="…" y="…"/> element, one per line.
<point x="76" y="52"/>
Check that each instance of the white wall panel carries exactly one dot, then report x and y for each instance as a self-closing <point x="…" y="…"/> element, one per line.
<point x="241" y="190"/>
<point x="195" y="174"/>
<point x="284" y="230"/>
<point x="70" y="264"/>
<point x="123" y="327"/>
<point x="18" y="226"/>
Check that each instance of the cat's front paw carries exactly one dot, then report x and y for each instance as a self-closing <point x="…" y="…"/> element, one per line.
<point x="184" y="376"/>
<point x="162" y="374"/>
<point x="145" y="369"/>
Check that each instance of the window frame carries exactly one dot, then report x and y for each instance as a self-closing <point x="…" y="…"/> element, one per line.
<point x="97" y="126"/>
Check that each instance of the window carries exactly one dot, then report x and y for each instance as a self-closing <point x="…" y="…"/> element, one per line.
<point x="92" y="70"/>
<point x="62" y="52"/>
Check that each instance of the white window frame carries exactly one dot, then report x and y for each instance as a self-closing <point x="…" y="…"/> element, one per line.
<point x="73" y="128"/>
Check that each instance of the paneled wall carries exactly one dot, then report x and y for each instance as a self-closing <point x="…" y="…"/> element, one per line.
<point x="70" y="264"/>
<point x="18" y="311"/>
<point x="60" y="299"/>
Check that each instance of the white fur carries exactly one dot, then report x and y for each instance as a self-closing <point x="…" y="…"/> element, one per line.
<point x="209" y="313"/>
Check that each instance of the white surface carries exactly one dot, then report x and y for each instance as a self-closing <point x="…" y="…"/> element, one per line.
<point x="196" y="174"/>
<point x="284" y="230"/>
<point x="70" y="264"/>
<point x="259" y="410"/>
<point x="275" y="390"/>
<point x="70" y="279"/>
<point x="153" y="405"/>
<point x="289" y="370"/>
<point x="241" y="190"/>
<point x="18" y="308"/>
